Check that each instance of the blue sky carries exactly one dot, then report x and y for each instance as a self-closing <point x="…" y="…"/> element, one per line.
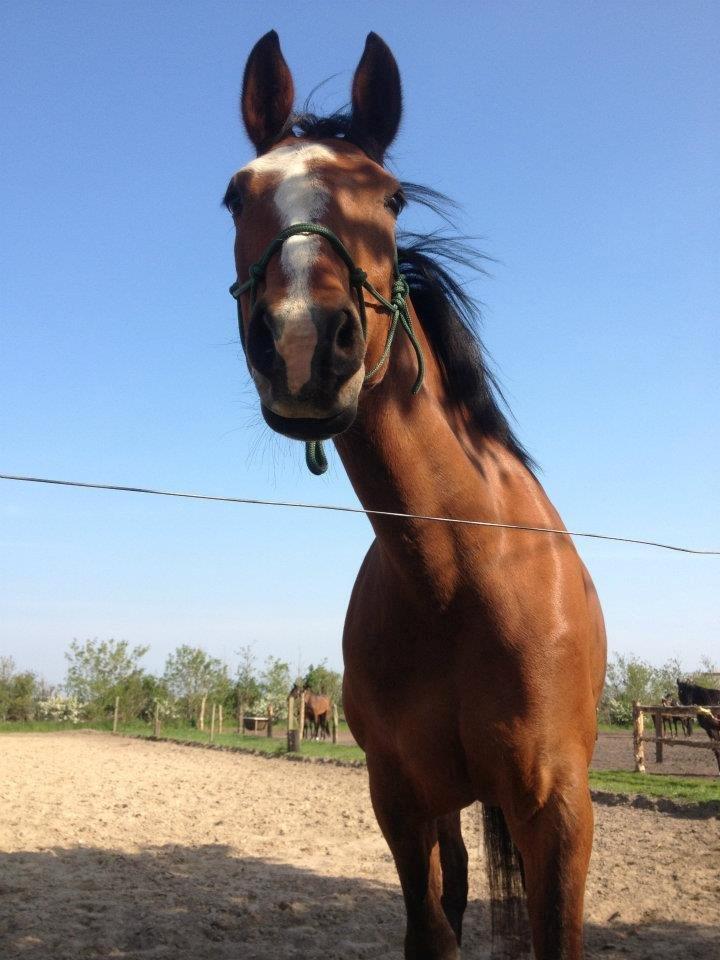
<point x="582" y="143"/>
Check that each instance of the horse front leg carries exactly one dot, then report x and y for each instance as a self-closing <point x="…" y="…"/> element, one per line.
<point x="413" y="841"/>
<point x="555" y="845"/>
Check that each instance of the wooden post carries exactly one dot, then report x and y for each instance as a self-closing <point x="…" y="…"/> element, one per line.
<point x="116" y="714"/>
<point x="201" y="719"/>
<point x="293" y="743"/>
<point x="220" y="719"/>
<point x="638" y="745"/>
<point x="241" y="718"/>
<point x="212" y="723"/>
<point x="335" y="723"/>
<point x="301" y="724"/>
<point x="657" y="717"/>
<point x="156" y="720"/>
<point x="270" y="721"/>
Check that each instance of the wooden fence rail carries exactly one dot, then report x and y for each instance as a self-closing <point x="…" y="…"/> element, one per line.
<point x="660" y="713"/>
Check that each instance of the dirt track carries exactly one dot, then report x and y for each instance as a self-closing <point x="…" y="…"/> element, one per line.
<point x="116" y="848"/>
<point x="614" y="751"/>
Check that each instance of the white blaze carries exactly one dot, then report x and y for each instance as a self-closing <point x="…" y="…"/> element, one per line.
<point x="300" y="197"/>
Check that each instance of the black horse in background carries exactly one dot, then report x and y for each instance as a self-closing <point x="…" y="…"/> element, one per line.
<point x="691" y="694"/>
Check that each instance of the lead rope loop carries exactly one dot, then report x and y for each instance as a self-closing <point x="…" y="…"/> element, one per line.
<point x="315" y="456"/>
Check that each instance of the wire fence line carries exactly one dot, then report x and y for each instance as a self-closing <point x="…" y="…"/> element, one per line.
<point x="355" y="510"/>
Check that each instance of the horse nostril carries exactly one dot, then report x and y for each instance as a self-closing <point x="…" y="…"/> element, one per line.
<point x="261" y="343"/>
<point x="345" y="332"/>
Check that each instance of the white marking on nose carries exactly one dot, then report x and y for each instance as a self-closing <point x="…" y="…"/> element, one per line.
<point x="300" y="197"/>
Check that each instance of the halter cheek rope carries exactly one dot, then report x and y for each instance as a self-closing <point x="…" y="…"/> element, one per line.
<point x="397" y="305"/>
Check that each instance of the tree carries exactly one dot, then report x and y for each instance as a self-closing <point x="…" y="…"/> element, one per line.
<point x="7" y="668"/>
<point x="247" y="686"/>
<point x="276" y="684"/>
<point x="138" y="694"/>
<point x="7" y="671"/>
<point x="322" y="680"/>
<point x="707" y="674"/>
<point x="18" y="692"/>
<point x="191" y="675"/>
<point x="98" y="669"/>
<point x="630" y="678"/>
<point x="22" y="697"/>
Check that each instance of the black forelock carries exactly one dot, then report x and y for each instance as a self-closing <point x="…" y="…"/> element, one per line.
<point x="336" y="126"/>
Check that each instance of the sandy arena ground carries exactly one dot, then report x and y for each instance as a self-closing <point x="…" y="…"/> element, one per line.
<point x="117" y="848"/>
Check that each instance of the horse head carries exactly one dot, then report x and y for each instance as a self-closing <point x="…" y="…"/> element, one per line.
<point x="315" y="220"/>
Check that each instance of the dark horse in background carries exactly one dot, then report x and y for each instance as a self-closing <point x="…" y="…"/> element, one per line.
<point x="691" y="694"/>
<point x="474" y="656"/>
<point x="318" y="708"/>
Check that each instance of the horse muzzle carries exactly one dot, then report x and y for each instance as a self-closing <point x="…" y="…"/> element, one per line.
<point x="307" y="368"/>
<point x="310" y="428"/>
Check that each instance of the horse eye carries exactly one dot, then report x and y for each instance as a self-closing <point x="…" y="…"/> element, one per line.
<point x="396" y="203"/>
<point x="233" y="201"/>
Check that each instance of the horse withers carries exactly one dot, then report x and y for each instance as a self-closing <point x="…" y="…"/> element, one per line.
<point x="474" y="656"/>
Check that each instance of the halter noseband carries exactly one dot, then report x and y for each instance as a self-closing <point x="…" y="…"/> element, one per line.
<point x="397" y="305"/>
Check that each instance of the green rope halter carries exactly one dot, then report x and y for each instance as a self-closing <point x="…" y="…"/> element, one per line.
<point x="397" y="305"/>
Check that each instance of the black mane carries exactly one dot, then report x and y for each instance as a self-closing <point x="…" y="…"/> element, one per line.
<point x="450" y="316"/>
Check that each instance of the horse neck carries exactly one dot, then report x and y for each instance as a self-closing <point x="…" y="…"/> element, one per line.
<point x="422" y="454"/>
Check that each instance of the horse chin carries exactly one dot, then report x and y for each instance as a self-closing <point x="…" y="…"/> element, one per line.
<point x="310" y="428"/>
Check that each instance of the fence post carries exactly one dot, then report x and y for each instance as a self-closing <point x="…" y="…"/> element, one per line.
<point x="241" y="718"/>
<point x="335" y="724"/>
<point x="156" y="720"/>
<point x="212" y="723"/>
<point x="638" y="745"/>
<point x="220" y="719"/>
<point x="657" y="718"/>
<point x="270" y="721"/>
<point x="301" y="724"/>
<point x="293" y="743"/>
<point x="201" y="720"/>
<point x="115" y="714"/>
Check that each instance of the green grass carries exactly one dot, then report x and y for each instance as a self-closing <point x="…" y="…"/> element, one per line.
<point x="51" y="726"/>
<point x="278" y="745"/>
<point x="680" y="789"/>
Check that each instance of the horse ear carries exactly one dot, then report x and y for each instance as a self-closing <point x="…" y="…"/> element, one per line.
<point x="267" y="93"/>
<point x="376" y="98"/>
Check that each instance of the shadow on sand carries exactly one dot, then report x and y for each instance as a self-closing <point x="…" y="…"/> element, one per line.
<point x="203" y="903"/>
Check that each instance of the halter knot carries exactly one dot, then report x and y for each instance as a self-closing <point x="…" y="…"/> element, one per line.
<point x="400" y="288"/>
<point x="256" y="272"/>
<point x="357" y="277"/>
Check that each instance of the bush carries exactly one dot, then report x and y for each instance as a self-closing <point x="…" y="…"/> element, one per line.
<point x="61" y="708"/>
<point x="619" y="712"/>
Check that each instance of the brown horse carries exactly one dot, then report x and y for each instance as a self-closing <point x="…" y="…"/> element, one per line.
<point x="474" y="656"/>
<point x="317" y="712"/>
